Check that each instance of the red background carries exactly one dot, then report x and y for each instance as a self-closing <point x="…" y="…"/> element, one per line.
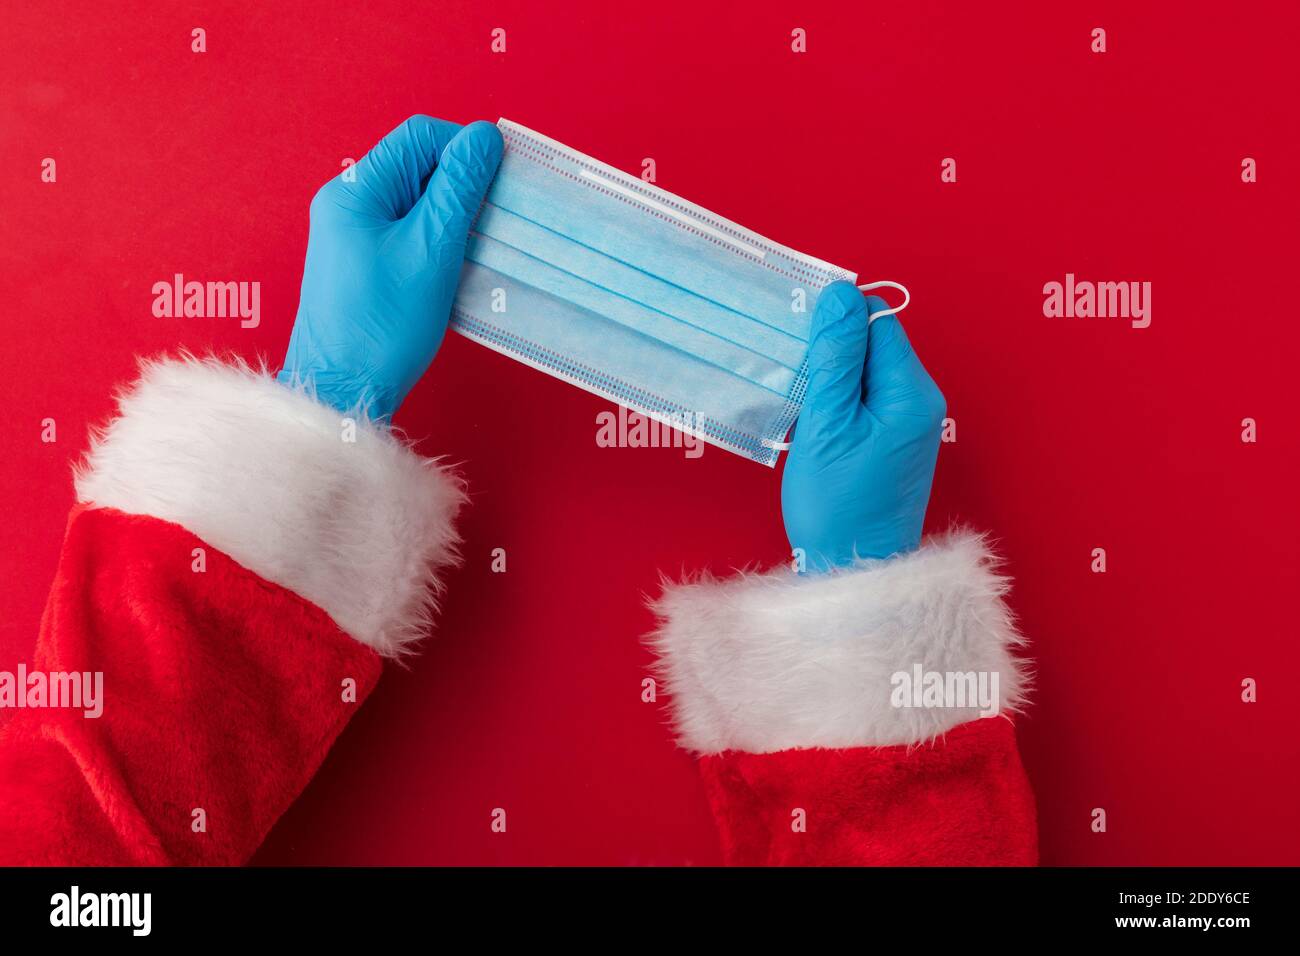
<point x="1072" y="434"/>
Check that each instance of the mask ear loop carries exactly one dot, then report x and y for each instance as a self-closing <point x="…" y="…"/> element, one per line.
<point x="907" y="297"/>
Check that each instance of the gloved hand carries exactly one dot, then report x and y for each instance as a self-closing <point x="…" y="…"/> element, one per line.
<point x="858" y="475"/>
<point x="383" y="262"/>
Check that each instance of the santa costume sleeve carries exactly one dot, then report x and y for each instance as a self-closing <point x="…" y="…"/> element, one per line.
<point x="843" y="719"/>
<point x="241" y="560"/>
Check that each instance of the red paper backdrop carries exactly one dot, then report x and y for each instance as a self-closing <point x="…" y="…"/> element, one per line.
<point x="1072" y="434"/>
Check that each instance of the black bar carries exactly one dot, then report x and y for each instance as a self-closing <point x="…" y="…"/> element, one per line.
<point x="658" y="907"/>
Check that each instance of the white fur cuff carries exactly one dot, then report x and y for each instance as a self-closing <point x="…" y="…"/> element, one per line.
<point x="888" y="652"/>
<point x="344" y="515"/>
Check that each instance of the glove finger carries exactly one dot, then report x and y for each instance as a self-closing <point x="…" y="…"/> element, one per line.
<point x="836" y="354"/>
<point x="390" y="178"/>
<point x="455" y="192"/>
<point x="896" y="384"/>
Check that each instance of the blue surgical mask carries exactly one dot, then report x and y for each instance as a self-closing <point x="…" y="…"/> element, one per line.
<point x="625" y="290"/>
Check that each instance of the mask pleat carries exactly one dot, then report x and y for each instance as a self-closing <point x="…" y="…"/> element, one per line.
<point x="622" y="307"/>
<point x="659" y="291"/>
<point x="758" y="287"/>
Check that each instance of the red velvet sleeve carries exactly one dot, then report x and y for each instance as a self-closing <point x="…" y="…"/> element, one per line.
<point x="219" y="695"/>
<point x="963" y="800"/>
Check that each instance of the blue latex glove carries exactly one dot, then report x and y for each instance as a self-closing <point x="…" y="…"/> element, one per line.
<point x="383" y="262"/>
<point x="858" y="476"/>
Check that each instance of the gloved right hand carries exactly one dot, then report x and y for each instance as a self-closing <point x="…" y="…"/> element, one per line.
<point x="857" y="480"/>
<point x="383" y="262"/>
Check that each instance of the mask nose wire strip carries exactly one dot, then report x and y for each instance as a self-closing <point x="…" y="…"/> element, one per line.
<point x="907" y="297"/>
<point x="883" y="284"/>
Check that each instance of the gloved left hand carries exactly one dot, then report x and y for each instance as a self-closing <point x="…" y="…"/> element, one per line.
<point x="383" y="262"/>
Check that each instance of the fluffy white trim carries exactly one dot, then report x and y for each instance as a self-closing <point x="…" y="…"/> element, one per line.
<point x="777" y="661"/>
<point x="262" y="472"/>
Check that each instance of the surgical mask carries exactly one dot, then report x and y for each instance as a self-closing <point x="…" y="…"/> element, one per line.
<point x="625" y="290"/>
